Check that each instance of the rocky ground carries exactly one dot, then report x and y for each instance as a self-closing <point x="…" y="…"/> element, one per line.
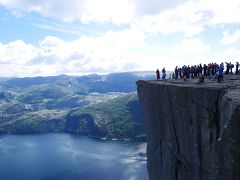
<point x="231" y="80"/>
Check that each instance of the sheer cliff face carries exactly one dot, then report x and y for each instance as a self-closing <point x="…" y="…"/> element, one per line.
<point x="193" y="131"/>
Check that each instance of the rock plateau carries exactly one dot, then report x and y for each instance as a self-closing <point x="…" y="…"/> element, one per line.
<point x="193" y="130"/>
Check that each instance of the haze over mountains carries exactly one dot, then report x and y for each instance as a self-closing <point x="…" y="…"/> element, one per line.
<point x="104" y="106"/>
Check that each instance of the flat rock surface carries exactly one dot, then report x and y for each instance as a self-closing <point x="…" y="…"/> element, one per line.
<point x="229" y="81"/>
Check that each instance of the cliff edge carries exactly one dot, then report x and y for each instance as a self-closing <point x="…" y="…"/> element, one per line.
<point x="193" y="130"/>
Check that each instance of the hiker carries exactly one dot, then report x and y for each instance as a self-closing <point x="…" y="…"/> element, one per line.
<point x="188" y="71"/>
<point x="205" y="70"/>
<point x="237" y="70"/>
<point x="192" y="71"/>
<point x="200" y="69"/>
<point x="231" y="67"/>
<point x="213" y="69"/>
<point x="180" y="72"/>
<point x="163" y="73"/>
<point x="209" y="69"/>
<point x="185" y="71"/>
<point x="228" y="68"/>
<point x="158" y="74"/>
<point x="220" y="74"/>
<point x="176" y="72"/>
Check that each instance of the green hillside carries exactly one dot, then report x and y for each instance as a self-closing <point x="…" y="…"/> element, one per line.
<point x="113" y="118"/>
<point x="100" y="106"/>
<point x="117" y="118"/>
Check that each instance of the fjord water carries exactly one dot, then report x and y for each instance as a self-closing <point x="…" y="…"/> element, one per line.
<point x="68" y="157"/>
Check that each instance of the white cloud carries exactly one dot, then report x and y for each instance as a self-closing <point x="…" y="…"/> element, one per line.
<point x="17" y="52"/>
<point x="223" y="11"/>
<point x="122" y="50"/>
<point x="58" y="28"/>
<point x="85" y="10"/>
<point x="62" y="10"/>
<point x="117" y="12"/>
<point x="183" y="18"/>
<point x="191" y="47"/>
<point x="153" y="7"/>
<point x="231" y="53"/>
<point x="190" y="17"/>
<point x="108" y="53"/>
<point x="188" y="52"/>
<point x="230" y="38"/>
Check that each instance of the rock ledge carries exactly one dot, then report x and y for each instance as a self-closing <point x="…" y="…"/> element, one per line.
<point x="193" y="130"/>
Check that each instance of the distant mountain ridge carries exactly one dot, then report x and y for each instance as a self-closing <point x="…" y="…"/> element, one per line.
<point x="104" y="106"/>
<point x="115" y="82"/>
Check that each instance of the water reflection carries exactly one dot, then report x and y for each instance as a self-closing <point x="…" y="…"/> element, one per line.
<point x="69" y="157"/>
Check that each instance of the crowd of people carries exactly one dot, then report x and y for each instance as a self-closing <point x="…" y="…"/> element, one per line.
<point x="201" y="71"/>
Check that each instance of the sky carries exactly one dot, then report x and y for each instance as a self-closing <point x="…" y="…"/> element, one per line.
<point x="78" y="37"/>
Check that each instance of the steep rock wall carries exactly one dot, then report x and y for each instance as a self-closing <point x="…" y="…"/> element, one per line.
<point x="193" y="131"/>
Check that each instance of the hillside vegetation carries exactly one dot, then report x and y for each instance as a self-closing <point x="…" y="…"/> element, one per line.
<point x="101" y="106"/>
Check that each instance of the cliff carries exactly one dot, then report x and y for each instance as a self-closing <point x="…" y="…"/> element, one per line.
<point x="193" y="130"/>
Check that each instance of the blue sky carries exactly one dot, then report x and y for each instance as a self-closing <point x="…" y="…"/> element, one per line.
<point x="76" y="37"/>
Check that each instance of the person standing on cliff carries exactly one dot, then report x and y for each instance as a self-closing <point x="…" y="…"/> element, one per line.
<point x="176" y="72"/>
<point x="228" y="68"/>
<point x="200" y="69"/>
<point x="163" y="73"/>
<point x="231" y="67"/>
<point x="220" y="74"/>
<point x="205" y="70"/>
<point x="237" y="70"/>
<point x="158" y="74"/>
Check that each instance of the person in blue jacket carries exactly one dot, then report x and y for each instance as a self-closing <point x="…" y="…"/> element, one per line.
<point x="220" y="73"/>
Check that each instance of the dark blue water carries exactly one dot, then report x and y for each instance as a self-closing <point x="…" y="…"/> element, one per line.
<point x="70" y="157"/>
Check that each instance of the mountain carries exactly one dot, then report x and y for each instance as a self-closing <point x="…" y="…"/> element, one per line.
<point x="115" y="82"/>
<point x="104" y="106"/>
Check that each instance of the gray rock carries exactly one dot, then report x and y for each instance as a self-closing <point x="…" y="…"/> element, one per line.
<point x="193" y="130"/>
